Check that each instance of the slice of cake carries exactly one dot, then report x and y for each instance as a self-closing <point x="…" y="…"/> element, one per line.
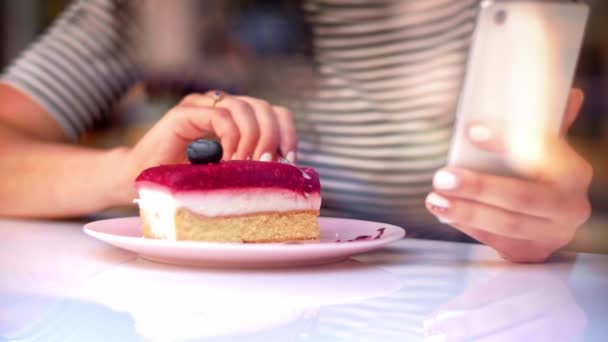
<point x="234" y="201"/>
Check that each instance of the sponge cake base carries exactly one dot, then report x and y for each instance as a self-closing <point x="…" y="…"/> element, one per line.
<point x="255" y="228"/>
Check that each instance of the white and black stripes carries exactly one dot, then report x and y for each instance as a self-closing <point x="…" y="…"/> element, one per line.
<point x="379" y="124"/>
<point x="79" y="68"/>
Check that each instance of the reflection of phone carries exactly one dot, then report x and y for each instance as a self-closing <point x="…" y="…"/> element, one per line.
<point x="519" y="74"/>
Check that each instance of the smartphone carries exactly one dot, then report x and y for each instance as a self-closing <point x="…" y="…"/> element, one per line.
<point x="519" y="73"/>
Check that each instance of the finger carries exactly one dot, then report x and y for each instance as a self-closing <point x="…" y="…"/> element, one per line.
<point x="566" y="168"/>
<point x="566" y="171"/>
<point x="486" y="136"/>
<point x="226" y="129"/>
<point x="191" y="123"/>
<point x="288" y="133"/>
<point x="269" y="140"/>
<point x="497" y="221"/>
<point x="243" y="116"/>
<point x="492" y="135"/>
<point x="534" y="152"/>
<point x="522" y="196"/>
<point x="575" y="103"/>
<point x="524" y="150"/>
<point x="547" y="157"/>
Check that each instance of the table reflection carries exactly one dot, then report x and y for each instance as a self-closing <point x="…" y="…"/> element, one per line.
<point x="170" y="302"/>
<point x="25" y="317"/>
<point x="525" y="303"/>
<point x="396" y="294"/>
<point x="443" y="300"/>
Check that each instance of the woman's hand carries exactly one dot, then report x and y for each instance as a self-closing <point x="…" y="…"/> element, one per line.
<point x="247" y="128"/>
<point x="524" y="220"/>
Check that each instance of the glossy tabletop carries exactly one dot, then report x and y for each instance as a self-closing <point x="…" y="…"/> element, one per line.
<point x="57" y="284"/>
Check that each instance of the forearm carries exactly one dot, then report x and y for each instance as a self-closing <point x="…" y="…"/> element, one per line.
<point x="41" y="179"/>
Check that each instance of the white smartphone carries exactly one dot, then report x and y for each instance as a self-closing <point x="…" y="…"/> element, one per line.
<point x="519" y="73"/>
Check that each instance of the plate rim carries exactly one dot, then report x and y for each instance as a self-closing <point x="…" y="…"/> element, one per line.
<point x="397" y="233"/>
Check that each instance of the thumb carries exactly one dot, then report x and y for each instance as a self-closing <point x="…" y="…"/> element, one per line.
<point x="575" y="102"/>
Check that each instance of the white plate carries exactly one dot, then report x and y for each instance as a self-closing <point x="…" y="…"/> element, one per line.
<point x="125" y="233"/>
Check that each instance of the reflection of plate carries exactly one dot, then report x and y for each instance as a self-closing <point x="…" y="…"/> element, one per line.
<point x="126" y="233"/>
<point x="170" y="303"/>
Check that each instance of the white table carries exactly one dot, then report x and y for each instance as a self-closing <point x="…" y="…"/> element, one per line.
<point x="57" y="284"/>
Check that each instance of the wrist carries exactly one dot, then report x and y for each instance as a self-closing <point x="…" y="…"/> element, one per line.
<point x="121" y="188"/>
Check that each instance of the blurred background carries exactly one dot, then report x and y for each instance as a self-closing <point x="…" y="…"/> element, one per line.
<point x="254" y="46"/>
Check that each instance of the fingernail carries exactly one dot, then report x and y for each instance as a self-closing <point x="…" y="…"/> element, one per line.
<point x="478" y="133"/>
<point x="443" y="220"/>
<point x="438" y="202"/>
<point x="291" y="156"/>
<point x="445" y="180"/>
<point x="234" y="156"/>
<point x="266" y="157"/>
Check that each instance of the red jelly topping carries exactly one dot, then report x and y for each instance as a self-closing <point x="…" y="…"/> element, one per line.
<point x="232" y="175"/>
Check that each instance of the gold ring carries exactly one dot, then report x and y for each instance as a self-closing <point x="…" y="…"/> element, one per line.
<point x="217" y="96"/>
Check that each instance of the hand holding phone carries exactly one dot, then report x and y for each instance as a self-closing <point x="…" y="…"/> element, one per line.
<point x="520" y="70"/>
<point x="513" y="183"/>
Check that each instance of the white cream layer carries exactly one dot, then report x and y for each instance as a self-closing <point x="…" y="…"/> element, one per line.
<point x="159" y="205"/>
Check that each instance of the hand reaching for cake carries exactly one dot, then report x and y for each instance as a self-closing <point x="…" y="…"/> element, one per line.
<point x="524" y="220"/>
<point x="47" y="177"/>
<point x="248" y="128"/>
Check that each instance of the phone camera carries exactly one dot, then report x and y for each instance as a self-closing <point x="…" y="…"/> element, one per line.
<point x="500" y="17"/>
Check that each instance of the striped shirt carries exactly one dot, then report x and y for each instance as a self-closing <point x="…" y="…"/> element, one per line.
<point x="80" y="68"/>
<point x="379" y="125"/>
<point x="376" y="128"/>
